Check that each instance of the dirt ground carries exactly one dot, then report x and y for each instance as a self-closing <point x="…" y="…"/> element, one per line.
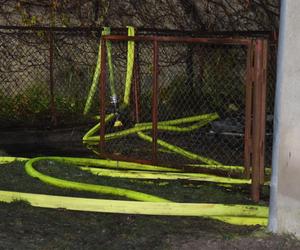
<point x="25" y="227"/>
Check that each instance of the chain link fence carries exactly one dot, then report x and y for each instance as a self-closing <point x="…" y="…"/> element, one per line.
<point x="195" y="80"/>
<point x="45" y="78"/>
<point x="204" y="79"/>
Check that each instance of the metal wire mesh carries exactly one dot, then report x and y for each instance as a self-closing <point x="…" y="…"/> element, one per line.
<point x="194" y="79"/>
<point x="75" y="57"/>
<point x="24" y="77"/>
<point x="26" y="84"/>
<point x="131" y="145"/>
<point x="202" y="79"/>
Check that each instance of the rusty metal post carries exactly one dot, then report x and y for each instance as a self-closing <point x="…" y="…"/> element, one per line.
<point x="102" y="95"/>
<point x="255" y="184"/>
<point x="137" y="88"/>
<point x="263" y="91"/>
<point x="154" y="101"/>
<point x="259" y="118"/>
<point x="248" y="112"/>
<point x="52" y="99"/>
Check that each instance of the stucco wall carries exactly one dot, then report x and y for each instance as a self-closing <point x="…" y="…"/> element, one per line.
<point x="285" y="187"/>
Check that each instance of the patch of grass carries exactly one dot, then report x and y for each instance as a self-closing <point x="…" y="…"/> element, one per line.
<point x="62" y="229"/>
<point x="32" y="106"/>
<point x="179" y="191"/>
<point x="31" y="101"/>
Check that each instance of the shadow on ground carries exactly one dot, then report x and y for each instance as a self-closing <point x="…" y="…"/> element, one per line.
<point x="25" y="227"/>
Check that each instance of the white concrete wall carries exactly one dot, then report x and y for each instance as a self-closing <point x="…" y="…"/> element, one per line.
<point x="285" y="187"/>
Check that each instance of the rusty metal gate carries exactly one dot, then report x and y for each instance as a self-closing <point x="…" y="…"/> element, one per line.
<point x="46" y="74"/>
<point x="175" y="78"/>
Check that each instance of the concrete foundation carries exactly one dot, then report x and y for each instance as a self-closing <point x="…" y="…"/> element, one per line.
<point x="285" y="186"/>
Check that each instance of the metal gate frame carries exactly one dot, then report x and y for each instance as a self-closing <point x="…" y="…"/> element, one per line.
<point x="255" y="99"/>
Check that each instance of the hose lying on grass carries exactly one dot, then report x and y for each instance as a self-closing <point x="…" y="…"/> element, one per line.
<point x="144" y="203"/>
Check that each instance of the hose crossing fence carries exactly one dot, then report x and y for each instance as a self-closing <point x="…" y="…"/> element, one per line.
<point x="201" y="99"/>
<point x="188" y="97"/>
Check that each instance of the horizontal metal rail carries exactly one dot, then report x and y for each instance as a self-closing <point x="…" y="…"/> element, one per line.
<point x="178" y="39"/>
<point x="141" y="30"/>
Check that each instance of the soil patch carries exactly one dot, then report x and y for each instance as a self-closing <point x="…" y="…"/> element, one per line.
<point x="25" y="227"/>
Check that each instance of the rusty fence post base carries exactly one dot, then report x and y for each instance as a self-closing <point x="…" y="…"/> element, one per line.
<point x="258" y="120"/>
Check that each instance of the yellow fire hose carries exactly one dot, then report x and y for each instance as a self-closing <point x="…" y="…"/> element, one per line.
<point x="143" y="203"/>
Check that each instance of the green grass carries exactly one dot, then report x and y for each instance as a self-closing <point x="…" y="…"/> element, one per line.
<point x="31" y="106"/>
<point x="16" y="179"/>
